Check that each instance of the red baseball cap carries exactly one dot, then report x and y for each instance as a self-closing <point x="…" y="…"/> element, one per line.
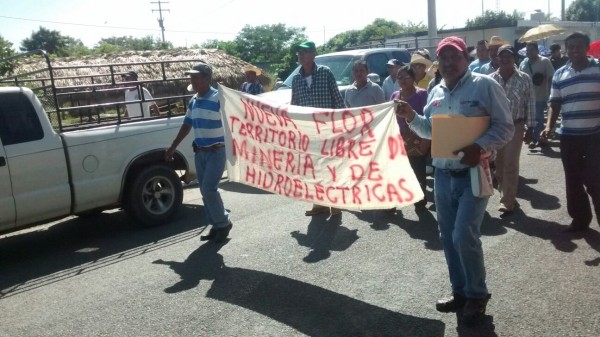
<point x="451" y="41"/>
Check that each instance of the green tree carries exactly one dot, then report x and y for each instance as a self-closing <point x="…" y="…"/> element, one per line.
<point x="106" y="48"/>
<point x="375" y="31"/>
<point x="266" y="43"/>
<point x="583" y="10"/>
<point x="5" y="52"/>
<point x="74" y="47"/>
<point x="493" y="18"/>
<point x="229" y="47"/>
<point x="49" y="40"/>
<point x="341" y="41"/>
<point x="120" y="43"/>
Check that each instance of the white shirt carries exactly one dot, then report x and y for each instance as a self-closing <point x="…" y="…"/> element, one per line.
<point x="133" y="109"/>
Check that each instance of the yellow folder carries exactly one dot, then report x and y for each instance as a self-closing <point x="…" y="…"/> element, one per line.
<point x="450" y="133"/>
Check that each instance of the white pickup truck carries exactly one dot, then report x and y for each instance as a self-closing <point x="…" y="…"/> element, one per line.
<point x="48" y="172"/>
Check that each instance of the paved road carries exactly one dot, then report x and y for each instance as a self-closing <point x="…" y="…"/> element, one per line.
<point x="283" y="274"/>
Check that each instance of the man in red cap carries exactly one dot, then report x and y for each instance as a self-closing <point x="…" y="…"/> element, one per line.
<point x="459" y="211"/>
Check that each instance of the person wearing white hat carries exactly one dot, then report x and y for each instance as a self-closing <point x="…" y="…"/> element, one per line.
<point x="252" y="85"/>
<point x="495" y="43"/>
<point x="420" y="64"/>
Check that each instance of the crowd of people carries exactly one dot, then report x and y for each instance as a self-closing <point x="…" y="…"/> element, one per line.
<point x="514" y="97"/>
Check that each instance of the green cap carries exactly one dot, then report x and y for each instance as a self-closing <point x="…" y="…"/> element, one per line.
<point x="307" y="45"/>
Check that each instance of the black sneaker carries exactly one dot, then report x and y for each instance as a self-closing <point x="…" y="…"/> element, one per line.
<point x="222" y="233"/>
<point x="474" y="309"/>
<point x="210" y="236"/>
<point x="451" y="304"/>
<point x="533" y="145"/>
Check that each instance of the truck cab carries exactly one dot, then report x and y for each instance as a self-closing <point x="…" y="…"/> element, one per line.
<point x="33" y="169"/>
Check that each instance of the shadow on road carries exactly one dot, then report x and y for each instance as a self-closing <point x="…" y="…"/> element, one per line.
<point x="80" y="245"/>
<point x="423" y="229"/>
<point x="485" y="328"/>
<point x="324" y="235"/>
<point x="546" y="230"/>
<point x="538" y="199"/>
<point x="241" y="188"/>
<point x="310" y="309"/>
<point x="550" y="150"/>
<point x="426" y="228"/>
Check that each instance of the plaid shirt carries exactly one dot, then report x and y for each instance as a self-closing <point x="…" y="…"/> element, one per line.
<point x="519" y="90"/>
<point x="322" y="93"/>
<point x="253" y="88"/>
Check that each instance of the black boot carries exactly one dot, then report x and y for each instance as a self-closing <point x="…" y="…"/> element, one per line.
<point x="210" y="236"/>
<point x="474" y="309"/>
<point x="222" y="233"/>
<point x="450" y="304"/>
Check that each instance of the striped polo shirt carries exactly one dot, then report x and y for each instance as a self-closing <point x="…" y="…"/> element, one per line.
<point x="204" y="116"/>
<point x="578" y="92"/>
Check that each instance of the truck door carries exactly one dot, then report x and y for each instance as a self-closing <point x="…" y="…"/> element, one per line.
<point x="7" y="202"/>
<point x="35" y="156"/>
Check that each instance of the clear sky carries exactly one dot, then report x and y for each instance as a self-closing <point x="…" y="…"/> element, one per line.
<point x="188" y="22"/>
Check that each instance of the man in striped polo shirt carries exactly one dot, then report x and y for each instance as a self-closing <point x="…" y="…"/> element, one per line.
<point x="204" y="117"/>
<point x="575" y="94"/>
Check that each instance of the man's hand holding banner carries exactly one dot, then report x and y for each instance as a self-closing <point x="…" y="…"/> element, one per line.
<point x="347" y="158"/>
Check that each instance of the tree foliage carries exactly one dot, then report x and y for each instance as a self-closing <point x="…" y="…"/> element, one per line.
<point x="493" y="18"/>
<point x="342" y="41"/>
<point x="375" y="31"/>
<point x="230" y="47"/>
<point x="5" y="52"/>
<point x="49" y="40"/>
<point x="121" y="43"/>
<point x="267" y="43"/>
<point x="74" y="47"/>
<point x="583" y="10"/>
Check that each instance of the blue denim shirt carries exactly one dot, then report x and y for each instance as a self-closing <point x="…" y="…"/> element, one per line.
<point x="473" y="95"/>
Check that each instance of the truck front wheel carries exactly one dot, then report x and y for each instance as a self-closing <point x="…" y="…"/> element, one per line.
<point x="154" y="195"/>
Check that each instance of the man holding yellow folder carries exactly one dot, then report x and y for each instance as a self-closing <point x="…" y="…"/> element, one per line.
<point x="459" y="212"/>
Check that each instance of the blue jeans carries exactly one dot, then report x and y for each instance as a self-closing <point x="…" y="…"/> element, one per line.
<point x="459" y="216"/>
<point x="539" y="119"/>
<point x="209" y="170"/>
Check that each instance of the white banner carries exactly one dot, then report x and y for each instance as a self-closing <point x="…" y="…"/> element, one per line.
<point x="348" y="158"/>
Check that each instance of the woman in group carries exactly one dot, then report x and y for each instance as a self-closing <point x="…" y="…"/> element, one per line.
<point x="416" y="148"/>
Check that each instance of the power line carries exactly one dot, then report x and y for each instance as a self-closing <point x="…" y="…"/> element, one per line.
<point x="112" y="27"/>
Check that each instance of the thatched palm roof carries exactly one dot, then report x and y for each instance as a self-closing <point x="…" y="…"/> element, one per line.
<point x="227" y="70"/>
<point x="90" y="85"/>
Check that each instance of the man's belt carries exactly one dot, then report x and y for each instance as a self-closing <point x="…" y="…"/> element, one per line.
<point x="457" y="172"/>
<point x="211" y="148"/>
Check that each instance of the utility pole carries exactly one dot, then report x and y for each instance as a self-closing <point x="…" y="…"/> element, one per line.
<point x="160" y="20"/>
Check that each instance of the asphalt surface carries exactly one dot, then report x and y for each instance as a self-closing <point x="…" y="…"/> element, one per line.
<point x="284" y="274"/>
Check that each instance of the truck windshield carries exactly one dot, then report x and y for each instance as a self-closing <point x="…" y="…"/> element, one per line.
<point x="340" y="65"/>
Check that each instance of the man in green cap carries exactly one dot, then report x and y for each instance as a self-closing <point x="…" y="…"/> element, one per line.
<point x="315" y="86"/>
